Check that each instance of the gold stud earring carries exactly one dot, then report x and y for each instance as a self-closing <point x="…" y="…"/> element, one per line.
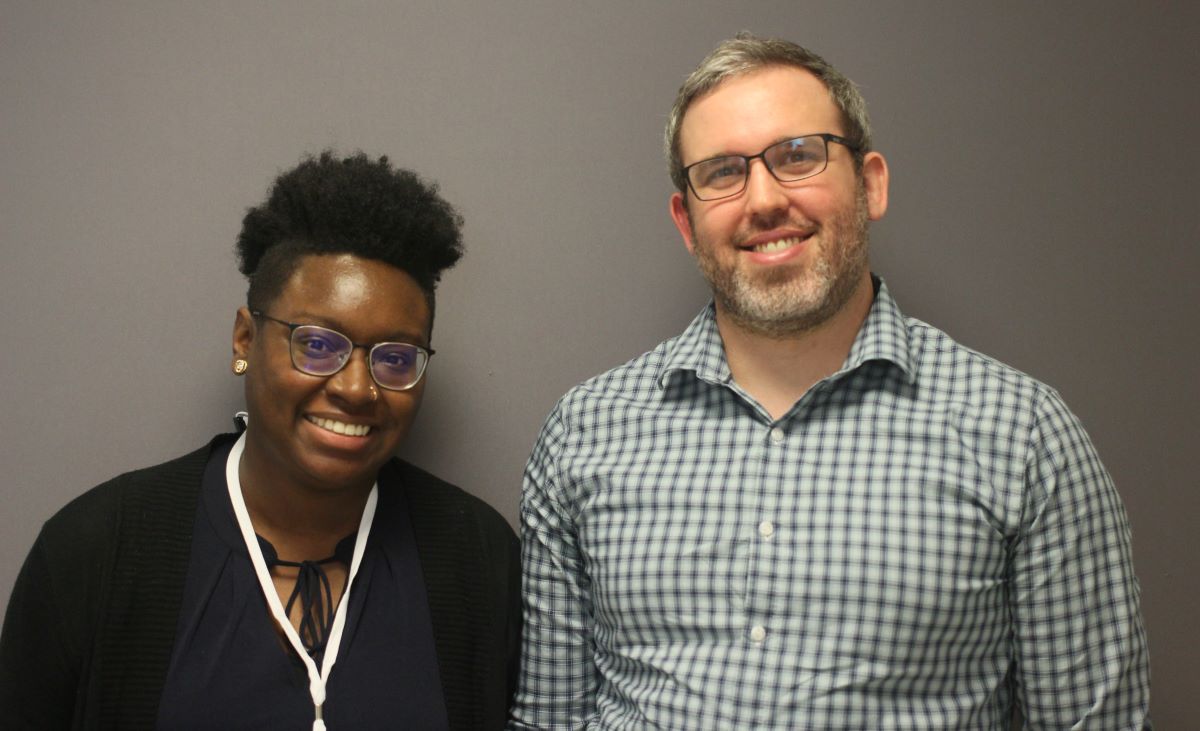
<point x="240" y="366"/>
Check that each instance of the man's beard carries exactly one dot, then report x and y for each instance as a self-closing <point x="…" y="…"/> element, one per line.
<point x="791" y="301"/>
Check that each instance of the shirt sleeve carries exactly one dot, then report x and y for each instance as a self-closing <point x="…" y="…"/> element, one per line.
<point x="556" y="685"/>
<point x="1080" y="656"/>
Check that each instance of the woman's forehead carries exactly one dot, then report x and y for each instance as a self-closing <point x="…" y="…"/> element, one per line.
<point x="365" y="295"/>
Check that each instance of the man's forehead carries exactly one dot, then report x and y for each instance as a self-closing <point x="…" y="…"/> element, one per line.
<point x="756" y="107"/>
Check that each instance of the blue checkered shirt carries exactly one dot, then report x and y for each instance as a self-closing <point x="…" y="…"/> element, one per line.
<point x="924" y="540"/>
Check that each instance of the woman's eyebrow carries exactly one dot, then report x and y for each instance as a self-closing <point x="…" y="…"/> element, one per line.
<point x="403" y="336"/>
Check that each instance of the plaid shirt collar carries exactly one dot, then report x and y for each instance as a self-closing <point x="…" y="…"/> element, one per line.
<point x="883" y="337"/>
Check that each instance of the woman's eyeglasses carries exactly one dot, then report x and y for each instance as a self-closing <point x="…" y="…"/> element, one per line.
<point x="319" y="351"/>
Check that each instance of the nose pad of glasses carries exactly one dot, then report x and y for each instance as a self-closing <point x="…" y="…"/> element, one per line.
<point x="354" y="377"/>
<point x="762" y="185"/>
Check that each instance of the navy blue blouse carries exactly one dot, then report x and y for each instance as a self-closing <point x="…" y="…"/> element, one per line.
<point x="231" y="669"/>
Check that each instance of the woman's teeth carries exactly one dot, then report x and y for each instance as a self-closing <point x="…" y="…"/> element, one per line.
<point x="339" y="427"/>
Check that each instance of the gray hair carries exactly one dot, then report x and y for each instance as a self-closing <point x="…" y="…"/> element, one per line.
<point x="745" y="53"/>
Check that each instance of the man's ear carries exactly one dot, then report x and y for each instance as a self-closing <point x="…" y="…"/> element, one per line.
<point x="243" y="332"/>
<point x="679" y="214"/>
<point x="875" y="182"/>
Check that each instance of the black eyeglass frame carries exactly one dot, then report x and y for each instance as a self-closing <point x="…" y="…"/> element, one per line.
<point x="368" y="347"/>
<point x="825" y="138"/>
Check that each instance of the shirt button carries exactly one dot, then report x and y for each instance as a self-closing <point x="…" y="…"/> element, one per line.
<point x="766" y="529"/>
<point x="758" y="633"/>
<point x="777" y="436"/>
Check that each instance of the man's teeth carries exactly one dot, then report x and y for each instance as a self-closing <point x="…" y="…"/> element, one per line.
<point x="339" y="427"/>
<point x="778" y="245"/>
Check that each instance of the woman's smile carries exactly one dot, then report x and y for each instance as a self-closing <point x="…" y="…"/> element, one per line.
<point x="340" y="427"/>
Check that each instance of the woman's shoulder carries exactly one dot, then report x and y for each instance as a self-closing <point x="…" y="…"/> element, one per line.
<point x="145" y="493"/>
<point x="437" y="504"/>
<point x="429" y="491"/>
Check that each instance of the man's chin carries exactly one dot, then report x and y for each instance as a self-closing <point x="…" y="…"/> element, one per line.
<point x="776" y="317"/>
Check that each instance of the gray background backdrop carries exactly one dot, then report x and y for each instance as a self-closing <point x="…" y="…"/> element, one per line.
<point x="1043" y="210"/>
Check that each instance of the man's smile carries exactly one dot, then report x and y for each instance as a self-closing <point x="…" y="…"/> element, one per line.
<point x="775" y="247"/>
<point x="779" y="245"/>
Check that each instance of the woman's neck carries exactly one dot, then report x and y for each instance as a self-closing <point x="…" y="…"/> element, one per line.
<point x="301" y="522"/>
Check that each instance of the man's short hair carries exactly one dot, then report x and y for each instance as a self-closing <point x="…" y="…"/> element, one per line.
<point x="745" y="53"/>
<point x="352" y="205"/>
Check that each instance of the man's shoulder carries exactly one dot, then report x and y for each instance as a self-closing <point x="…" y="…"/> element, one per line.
<point x="942" y="363"/>
<point x="636" y="380"/>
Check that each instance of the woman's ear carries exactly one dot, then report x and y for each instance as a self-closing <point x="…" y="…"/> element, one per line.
<point x="243" y="333"/>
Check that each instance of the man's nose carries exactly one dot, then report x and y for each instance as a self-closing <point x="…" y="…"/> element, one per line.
<point x="764" y="194"/>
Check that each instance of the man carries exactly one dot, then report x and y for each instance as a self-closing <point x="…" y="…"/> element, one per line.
<point x="809" y="511"/>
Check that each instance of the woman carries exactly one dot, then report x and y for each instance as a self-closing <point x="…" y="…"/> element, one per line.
<point x="222" y="589"/>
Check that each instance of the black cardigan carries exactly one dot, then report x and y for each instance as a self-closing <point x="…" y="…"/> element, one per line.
<point x="91" y="623"/>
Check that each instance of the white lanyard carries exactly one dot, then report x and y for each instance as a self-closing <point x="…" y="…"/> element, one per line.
<point x="316" y="680"/>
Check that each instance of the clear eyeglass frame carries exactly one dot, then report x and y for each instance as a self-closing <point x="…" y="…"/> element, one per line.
<point x="336" y="359"/>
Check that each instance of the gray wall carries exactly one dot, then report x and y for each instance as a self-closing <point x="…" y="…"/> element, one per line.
<point x="1044" y="210"/>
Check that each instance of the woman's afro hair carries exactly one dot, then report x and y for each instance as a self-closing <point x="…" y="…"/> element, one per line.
<point x="327" y="205"/>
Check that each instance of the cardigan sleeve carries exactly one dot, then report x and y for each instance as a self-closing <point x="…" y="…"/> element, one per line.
<point x="470" y="560"/>
<point x="51" y="619"/>
<point x="89" y="628"/>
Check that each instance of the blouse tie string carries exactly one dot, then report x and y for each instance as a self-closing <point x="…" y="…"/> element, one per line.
<point x="315" y="594"/>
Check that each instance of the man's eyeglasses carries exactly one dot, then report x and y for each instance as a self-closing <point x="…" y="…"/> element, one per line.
<point x="789" y="161"/>
<point x="319" y="351"/>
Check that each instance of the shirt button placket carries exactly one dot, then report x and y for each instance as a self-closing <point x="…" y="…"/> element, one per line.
<point x="776" y="436"/>
<point x="766" y="530"/>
